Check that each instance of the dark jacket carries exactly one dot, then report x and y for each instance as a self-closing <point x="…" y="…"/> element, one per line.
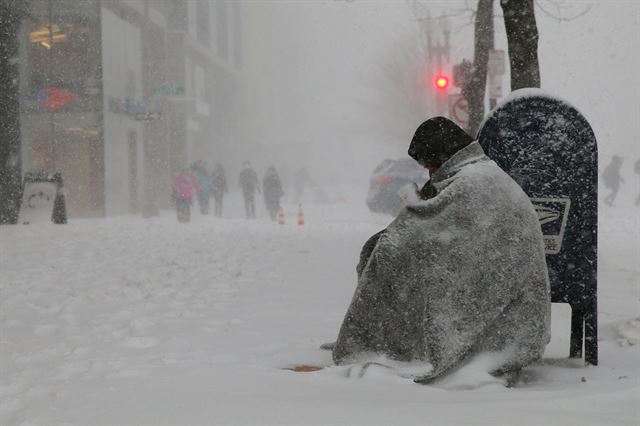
<point x="272" y="188"/>
<point x="249" y="182"/>
<point x="218" y="184"/>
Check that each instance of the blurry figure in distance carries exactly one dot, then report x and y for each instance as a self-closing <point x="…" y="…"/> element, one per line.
<point x="218" y="188"/>
<point x="301" y="181"/>
<point x="249" y="183"/>
<point x="199" y="169"/>
<point x="184" y="184"/>
<point x="272" y="190"/>
<point x="612" y="179"/>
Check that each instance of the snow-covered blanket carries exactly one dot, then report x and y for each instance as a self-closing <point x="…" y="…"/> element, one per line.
<point x="458" y="274"/>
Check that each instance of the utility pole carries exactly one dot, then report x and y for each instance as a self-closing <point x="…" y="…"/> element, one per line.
<point x="11" y="14"/>
<point x="438" y="50"/>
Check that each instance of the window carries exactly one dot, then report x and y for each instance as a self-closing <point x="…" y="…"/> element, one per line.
<point x="222" y="28"/>
<point x="178" y="17"/>
<point x="202" y="22"/>
<point x="237" y="34"/>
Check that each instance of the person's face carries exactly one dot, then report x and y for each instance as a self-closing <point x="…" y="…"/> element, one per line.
<point x="429" y="167"/>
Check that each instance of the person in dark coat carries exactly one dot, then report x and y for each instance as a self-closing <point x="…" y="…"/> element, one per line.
<point x="218" y="188"/>
<point x="272" y="190"/>
<point x="249" y="183"/>
<point x="612" y="179"/>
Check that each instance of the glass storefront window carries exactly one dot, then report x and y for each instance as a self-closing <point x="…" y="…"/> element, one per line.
<point x="61" y="96"/>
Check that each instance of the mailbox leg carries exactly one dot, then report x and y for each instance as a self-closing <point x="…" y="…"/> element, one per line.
<point x="591" y="334"/>
<point x="577" y="332"/>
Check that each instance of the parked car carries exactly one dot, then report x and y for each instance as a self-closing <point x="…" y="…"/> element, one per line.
<point x="387" y="180"/>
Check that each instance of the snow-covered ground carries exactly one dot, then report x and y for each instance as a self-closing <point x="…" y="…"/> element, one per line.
<point x="131" y="321"/>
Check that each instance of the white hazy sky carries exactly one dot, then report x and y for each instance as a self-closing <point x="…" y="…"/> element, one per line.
<point x="592" y="61"/>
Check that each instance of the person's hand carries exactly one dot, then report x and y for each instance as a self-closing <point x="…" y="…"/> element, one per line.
<point x="409" y="193"/>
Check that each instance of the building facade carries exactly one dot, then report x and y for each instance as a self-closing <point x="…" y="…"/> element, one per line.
<point x="120" y="94"/>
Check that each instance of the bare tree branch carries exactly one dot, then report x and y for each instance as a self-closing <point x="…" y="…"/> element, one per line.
<point x="559" y="16"/>
<point x="454" y="12"/>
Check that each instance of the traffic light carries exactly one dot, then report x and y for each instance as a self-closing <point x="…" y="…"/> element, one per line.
<point x="441" y="82"/>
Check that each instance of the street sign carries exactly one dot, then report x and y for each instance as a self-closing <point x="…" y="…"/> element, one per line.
<point x="169" y="90"/>
<point x="550" y="150"/>
<point x="459" y="110"/>
<point x="37" y="202"/>
<point x="496" y="66"/>
<point x="148" y="116"/>
<point x="42" y="199"/>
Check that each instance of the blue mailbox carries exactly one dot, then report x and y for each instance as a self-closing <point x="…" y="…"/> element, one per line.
<point x="549" y="148"/>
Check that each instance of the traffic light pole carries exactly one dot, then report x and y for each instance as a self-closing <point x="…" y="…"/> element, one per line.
<point x="437" y="50"/>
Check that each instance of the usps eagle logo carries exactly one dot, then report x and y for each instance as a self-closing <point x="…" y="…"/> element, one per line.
<point x="552" y="215"/>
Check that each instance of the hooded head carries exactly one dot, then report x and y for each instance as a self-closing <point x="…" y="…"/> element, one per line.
<point x="436" y="140"/>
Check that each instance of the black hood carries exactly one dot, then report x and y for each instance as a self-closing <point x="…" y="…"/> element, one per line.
<point x="436" y="140"/>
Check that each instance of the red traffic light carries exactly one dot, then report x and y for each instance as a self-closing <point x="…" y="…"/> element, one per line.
<point x="442" y="82"/>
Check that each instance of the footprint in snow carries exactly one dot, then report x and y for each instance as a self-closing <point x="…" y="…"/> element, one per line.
<point x="45" y="329"/>
<point x="141" y="342"/>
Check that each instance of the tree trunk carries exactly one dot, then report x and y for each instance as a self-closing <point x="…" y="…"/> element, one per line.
<point x="11" y="14"/>
<point x="522" y="38"/>
<point x="474" y="90"/>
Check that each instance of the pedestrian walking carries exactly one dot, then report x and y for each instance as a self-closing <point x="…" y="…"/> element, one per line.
<point x="612" y="178"/>
<point x="184" y="185"/>
<point x="218" y="188"/>
<point x="272" y="190"/>
<point x="249" y="183"/>
<point x="199" y="169"/>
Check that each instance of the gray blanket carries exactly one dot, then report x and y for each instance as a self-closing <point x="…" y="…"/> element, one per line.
<point x="461" y="273"/>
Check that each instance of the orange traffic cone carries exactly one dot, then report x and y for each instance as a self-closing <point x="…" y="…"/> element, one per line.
<point x="281" y="217"/>
<point x="300" y="215"/>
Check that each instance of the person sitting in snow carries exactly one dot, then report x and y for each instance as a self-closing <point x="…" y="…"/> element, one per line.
<point x="460" y="271"/>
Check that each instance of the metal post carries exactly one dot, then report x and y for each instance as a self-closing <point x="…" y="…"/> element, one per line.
<point x="49" y="83"/>
<point x="11" y="15"/>
<point x="577" y="332"/>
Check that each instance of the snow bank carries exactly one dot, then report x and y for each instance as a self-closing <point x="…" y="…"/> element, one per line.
<point x="131" y="321"/>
